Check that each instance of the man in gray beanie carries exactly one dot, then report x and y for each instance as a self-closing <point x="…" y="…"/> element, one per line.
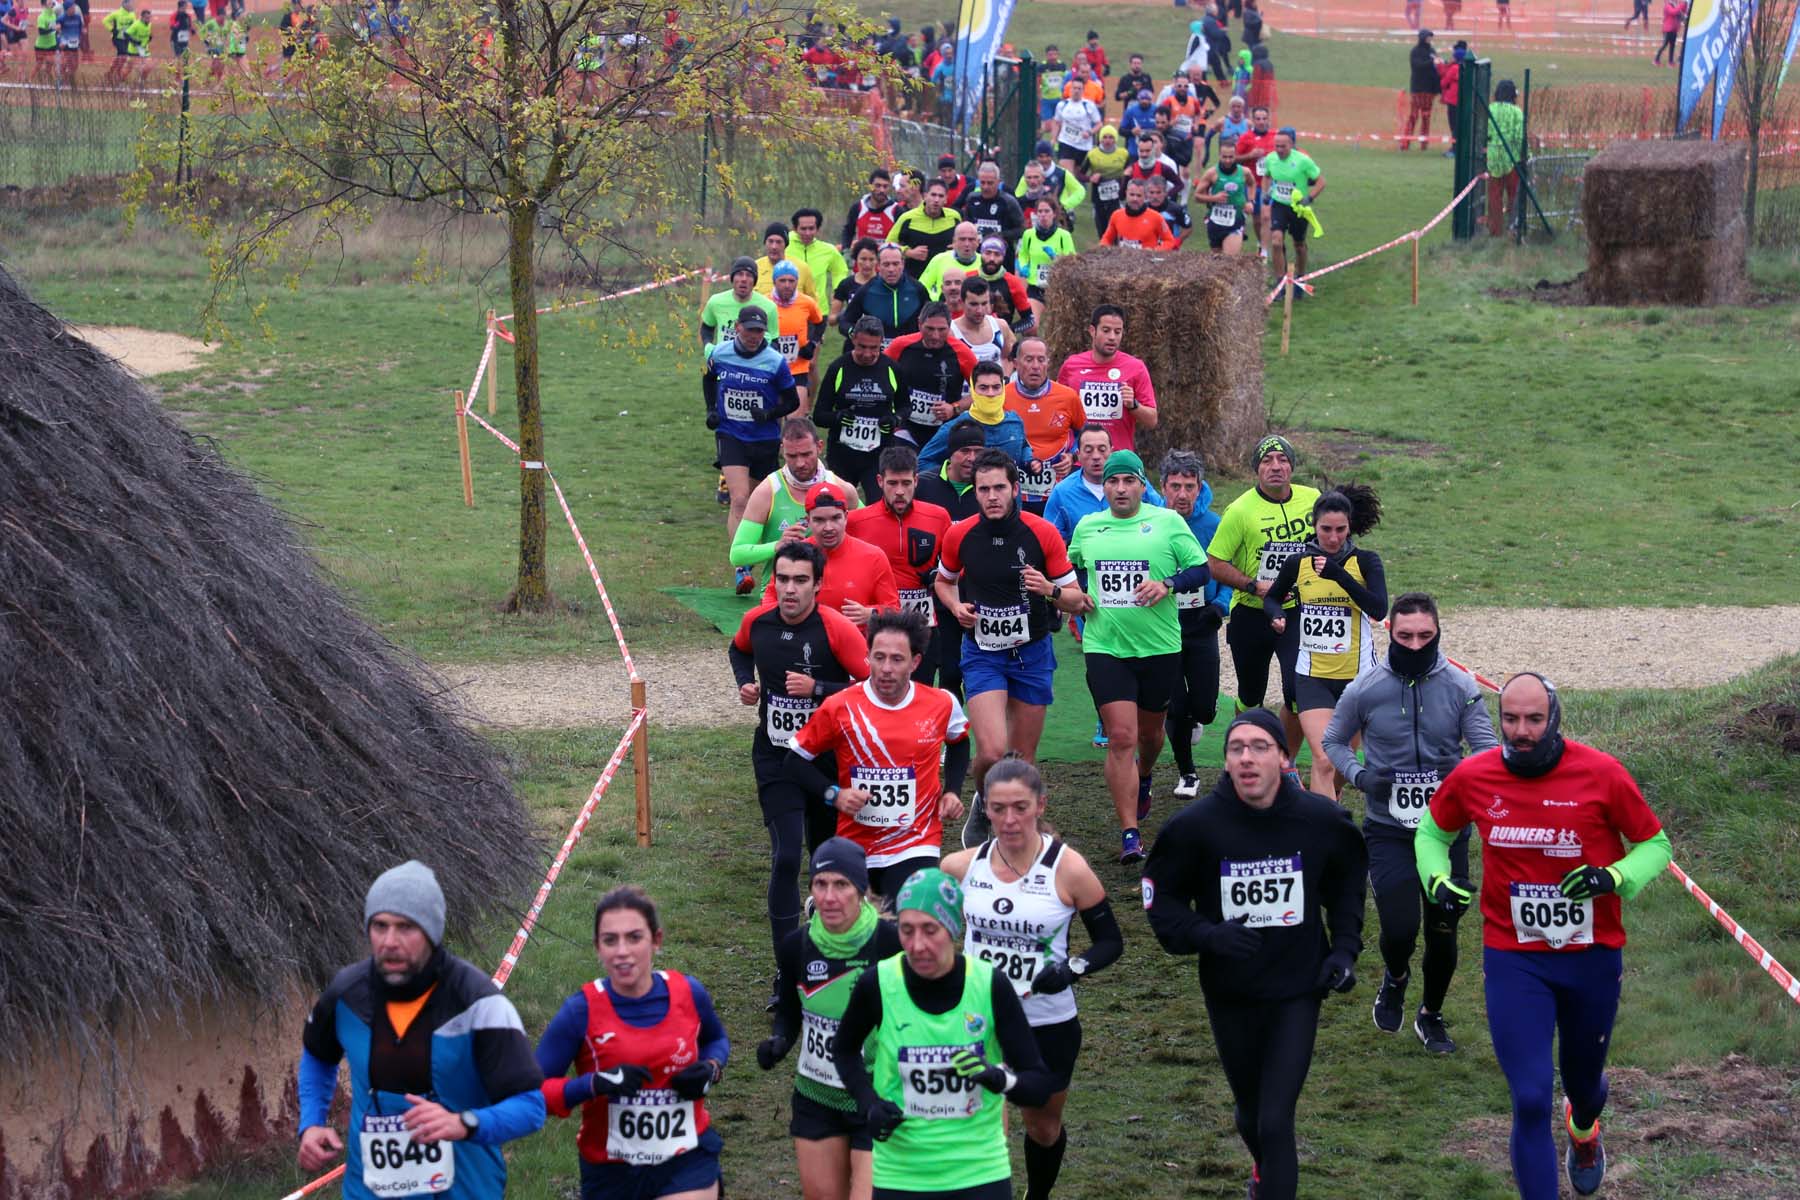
<point x="441" y="1072"/>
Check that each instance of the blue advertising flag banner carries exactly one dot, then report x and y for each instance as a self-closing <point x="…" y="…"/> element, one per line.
<point x="1793" y="44"/>
<point x="1728" y="69"/>
<point x="1714" y="36"/>
<point x="981" y="27"/>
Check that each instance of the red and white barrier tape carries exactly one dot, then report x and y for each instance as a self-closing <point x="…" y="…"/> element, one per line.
<point x="594" y="571"/>
<point x="704" y="272"/>
<point x="469" y="411"/>
<point x="481" y="369"/>
<point x="1784" y="978"/>
<point x="511" y="958"/>
<point x="1401" y="240"/>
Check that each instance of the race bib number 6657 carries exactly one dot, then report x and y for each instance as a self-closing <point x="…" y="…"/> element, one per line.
<point x="1263" y="891"/>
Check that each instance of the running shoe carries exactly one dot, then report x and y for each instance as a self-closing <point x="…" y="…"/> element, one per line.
<point x="1432" y="1033"/>
<point x="724" y="496"/>
<point x="746" y="581"/>
<point x="977" y="829"/>
<point x="1099" y="735"/>
<point x="1144" y="782"/>
<point x="1390" y="1003"/>
<point x="1586" y="1161"/>
<point x="1188" y="787"/>
<point x="1131" y="848"/>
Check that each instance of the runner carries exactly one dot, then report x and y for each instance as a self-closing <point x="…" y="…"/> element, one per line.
<point x="1225" y="190"/>
<point x="1002" y="575"/>
<point x="1151" y="163"/>
<point x="1174" y="215"/>
<point x="893" y="297"/>
<point x="748" y="389"/>
<point x="988" y="338"/>
<point x="874" y="212"/>
<point x="1258" y="533"/>
<point x="718" y="319"/>
<point x="1135" y="225"/>
<point x="942" y="1031"/>
<point x="910" y="532"/>
<point x="861" y="582"/>
<point x="963" y="256"/>
<point x="1554" y="816"/>
<point x="1021" y="892"/>
<point x="952" y="488"/>
<point x="818" y="256"/>
<point x="775" y="244"/>
<point x="799" y="327"/>
<point x="647" y="1047"/>
<point x="934" y="371"/>
<point x="864" y="254"/>
<point x="857" y="395"/>
<point x="779" y="502"/>
<point x="1264" y="882"/>
<point x="995" y="213"/>
<point x="1340" y="589"/>
<point x="1253" y="149"/>
<point x="887" y="734"/>
<point x="1073" y="127"/>
<point x="1055" y="181"/>
<point x="1194" y="702"/>
<point x="1115" y="388"/>
<point x="1083" y="491"/>
<point x="956" y="184"/>
<point x="1053" y="418"/>
<point x="788" y="655"/>
<point x="1011" y="298"/>
<point x="1103" y="170"/>
<point x="1135" y="555"/>
<point x="1291" y="174"/>
<point x="441" y="1073"/>
<point x="1000" y="430"/>
<point x="1138" y="118"/>
<point x="819" y="963"/>
<point x="1232" y="124"/>
<point x="924" y="232"/>
<point x="1413" y="712"/>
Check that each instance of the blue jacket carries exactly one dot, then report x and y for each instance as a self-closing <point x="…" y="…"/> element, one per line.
<point x="897" y="307"/>
<point x="1071" y="500"/>
<point x="1008" y="435"/>
<point x="759" y="384"/>
<point x="1136" y="116"/>
<point x="480" y="1061"/>
<point x="1204" y="523"/>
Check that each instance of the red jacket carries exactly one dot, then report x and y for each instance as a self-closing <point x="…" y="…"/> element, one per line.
<point x="1449" y="77"/>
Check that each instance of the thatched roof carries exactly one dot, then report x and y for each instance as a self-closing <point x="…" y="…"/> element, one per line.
<point x="205" y="754"/>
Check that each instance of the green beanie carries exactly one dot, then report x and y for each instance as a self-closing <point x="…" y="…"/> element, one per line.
<point x="1123" y="462"/>
<point x="935" y="894"/>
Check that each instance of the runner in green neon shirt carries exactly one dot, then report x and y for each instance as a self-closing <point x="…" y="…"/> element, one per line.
<point x="1293" y="177"/>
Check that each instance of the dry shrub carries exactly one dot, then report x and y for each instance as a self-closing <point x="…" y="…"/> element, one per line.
<point x="1665" y="223"/>
<point x="1197" y="321"/>
<point x="206" y="755"/>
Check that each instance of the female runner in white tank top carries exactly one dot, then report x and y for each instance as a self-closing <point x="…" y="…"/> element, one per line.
<point x="1022" y="889"/>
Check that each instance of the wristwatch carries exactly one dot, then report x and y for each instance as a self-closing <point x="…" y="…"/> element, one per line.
<point x="1055" y="590"/>
<point x="471" y="1123"/>
<point x="831" y="795"/>
<point x="1078" y="966"/>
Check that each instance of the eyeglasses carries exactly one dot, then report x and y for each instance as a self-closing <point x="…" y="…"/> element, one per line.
<point x="1262" y="746"/>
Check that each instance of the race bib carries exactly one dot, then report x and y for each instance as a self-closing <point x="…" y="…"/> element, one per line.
<point x="1002" y="628"/>
<point x="1116" y="581"/>
<point x="1223" y="214"/>
<point x="1133" y="242"/>
<point x="1043" y="275"/>
<point x="920" y="406"/>
<point x="786" y="715"/>
<point x="1262" y="168"/>
<point x="739" y="404"/>
<point x="649" y="1127"/>
<point x="988" y="228"/>
<point x="818" y="1037"/>
<point x="1274" y="556"/>
<point x="859" y="433"/>
<point x="1411" y="796"/>
<point x="1018" y="962"/>
<point x="893" y="796"/>
<point x="1193" y="599"/>
<point x="788" y="345"/>
<point x="1541" y="913"/>
<point x="1103" y="401"/>
<point x="1265" y="891"/>
<point x="918" y="600"/>
<point x="931" y="1089"/>
<point x="1036" y="485"/>
<point x="395" y="1165"/>
<point x="1106" y="189"/>
<point x="1324" y="628"/>
<point x="1283" y="193"/>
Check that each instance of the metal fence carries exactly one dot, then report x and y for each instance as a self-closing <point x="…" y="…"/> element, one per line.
<point x="51" y="137"/>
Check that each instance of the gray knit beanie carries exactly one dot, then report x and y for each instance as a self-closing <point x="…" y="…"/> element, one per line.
<point x="409" y="890"/>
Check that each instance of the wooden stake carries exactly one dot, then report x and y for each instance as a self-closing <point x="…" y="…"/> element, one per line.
<point x="640" y="763"/>
<point x="1415" y="243"/>
<point x="462" y="447"/>
<point x="493" y="363"/>
<point x="1287" y="311"/>
<point x="701" y="275"/>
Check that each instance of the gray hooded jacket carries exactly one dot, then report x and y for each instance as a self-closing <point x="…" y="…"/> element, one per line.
<point x="1407" y="727"/>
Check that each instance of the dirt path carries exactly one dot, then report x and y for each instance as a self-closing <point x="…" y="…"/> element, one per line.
<point x="145" y="352"/>
<point x="1577" y="648"/>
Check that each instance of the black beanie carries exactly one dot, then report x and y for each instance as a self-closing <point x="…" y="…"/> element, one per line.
<point x="1264" y="720"/>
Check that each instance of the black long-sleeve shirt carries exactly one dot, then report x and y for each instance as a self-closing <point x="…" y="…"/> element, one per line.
<point x="1371" y="595"/>
<point x="801" y="963"/>
<point x="1219" y="845"/>
<point x="938" y="996"/>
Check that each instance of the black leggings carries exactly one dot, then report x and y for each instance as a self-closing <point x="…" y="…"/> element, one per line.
<point x="1253" y="641"/>
<point x="1196" y="697"/>
<point x="1400" y="901"/>
<point x="1668" y="44"/>
<point x="1266" y="1049"/>
<point x="796" y="825"/>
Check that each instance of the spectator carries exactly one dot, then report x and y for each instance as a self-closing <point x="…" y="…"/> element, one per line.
<point x="1423" y="89"/>
<point x="1262" y="77"/>
<point x="1218" y="43"/>
<point x="1506" y="144"/>
<point x="1096" y="55"/>
<point x="1253" y="24"/>
<point x="1449" y="81"/>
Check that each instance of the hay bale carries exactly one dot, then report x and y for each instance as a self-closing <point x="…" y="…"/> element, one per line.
<point x="1665" y="223"/>
<point x="1197" y="321"/>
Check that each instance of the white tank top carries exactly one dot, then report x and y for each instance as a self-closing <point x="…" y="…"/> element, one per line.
<point x="988" y="351"/>
<point x="1020" y="927"/>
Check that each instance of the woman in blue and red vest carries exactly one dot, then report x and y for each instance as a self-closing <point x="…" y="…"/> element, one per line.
<point x="646" y="1046"/>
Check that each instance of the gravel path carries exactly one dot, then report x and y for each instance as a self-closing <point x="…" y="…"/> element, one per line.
<point x="1577" y="648"/>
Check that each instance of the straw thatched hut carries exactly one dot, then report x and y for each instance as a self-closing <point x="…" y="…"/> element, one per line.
<point x="205" y="757"/>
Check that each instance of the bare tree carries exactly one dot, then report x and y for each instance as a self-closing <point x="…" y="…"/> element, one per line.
<point x="553" y="118"/>
<point x="1759" y="74"/>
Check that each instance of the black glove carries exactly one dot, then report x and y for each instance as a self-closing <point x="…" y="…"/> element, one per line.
<point x="1584" y="883"/>
<point x="1053" y="979"/>
<point x="809" y="350"/>
<point x="1448" y="895"/>
<point x="883" y="1117"/>
<point x="972" y="1066"/>
<point x="1337" y="973"/>
<point x="772" y="1050"/>
<point x="693" y="1082"/>
<point x="712" y="419"/>
<point x="1232" y="939"/>
<point x="1375" y="785"/>
<point x="622" y="1080"/>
